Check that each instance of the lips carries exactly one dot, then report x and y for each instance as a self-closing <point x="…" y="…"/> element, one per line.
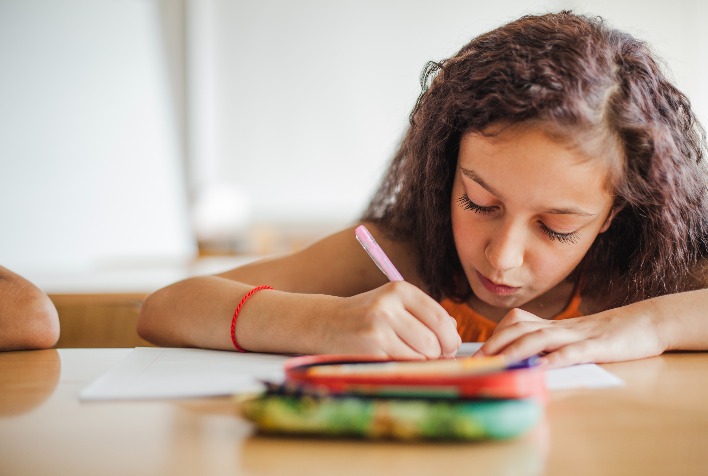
<point x="494" y="288"/>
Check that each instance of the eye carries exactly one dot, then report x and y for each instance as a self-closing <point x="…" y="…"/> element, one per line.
<point x="468" y="204"/>
<point x="569" y="238"/>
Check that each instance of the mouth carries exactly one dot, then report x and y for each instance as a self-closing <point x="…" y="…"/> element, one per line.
<point x="496" y="288"/>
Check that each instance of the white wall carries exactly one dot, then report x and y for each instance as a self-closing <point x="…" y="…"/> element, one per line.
<point x="90" y="161"/>
<point x="294" y="106"/>
<point x="311" y="97"/>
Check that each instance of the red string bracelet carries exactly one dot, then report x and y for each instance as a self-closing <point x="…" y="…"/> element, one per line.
<point x="238" y="309"/>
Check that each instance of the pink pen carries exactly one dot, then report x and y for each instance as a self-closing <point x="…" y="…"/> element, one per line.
<point x="364" y="237"/>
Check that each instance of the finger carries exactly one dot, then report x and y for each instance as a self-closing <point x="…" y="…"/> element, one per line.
<point x="388" y="342"/>
<point x="571" y="354"/>
<point x="502" y="338"/>
<point x="423" y="325"/>
<point x="403" y="351"/>
<point x="516" y="316"/>
<point x="545" y="339"/>
<point x="516" y="323"/>
<point x="437" y="320"/>
<point x="417" y="336"/>
<point x="457" y="340"/>
<point x="442" y="328"/>
<point x="381" y="342"/>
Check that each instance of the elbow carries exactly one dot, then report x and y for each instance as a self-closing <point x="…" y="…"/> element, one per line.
<point x="50" y="320"/>
<point x="28" y="318"/>
<point x="45" y="330"/>
<point x="146" y="317"/>
<point x="149" y="325"/>
<point x="35" y="325"/>
<point x="161" y="320"/>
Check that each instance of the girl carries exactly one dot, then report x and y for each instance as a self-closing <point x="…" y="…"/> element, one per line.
<point x="552" y="185"/>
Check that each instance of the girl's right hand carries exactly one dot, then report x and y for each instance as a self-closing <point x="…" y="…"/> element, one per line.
<point x="396" y="320"/>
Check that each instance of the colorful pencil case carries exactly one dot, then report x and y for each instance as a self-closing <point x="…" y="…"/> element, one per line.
<point x="466" y="399"/>
<point x="392" y="418"/>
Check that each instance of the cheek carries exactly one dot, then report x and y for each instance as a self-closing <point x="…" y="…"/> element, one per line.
<point x="468" y="234"/>
<point x="551" y="264"/>
<point x="546" y="264"/>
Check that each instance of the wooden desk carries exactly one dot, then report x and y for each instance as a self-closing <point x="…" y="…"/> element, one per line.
<point x="656" y="424"/>
<point x="99" y="319"/>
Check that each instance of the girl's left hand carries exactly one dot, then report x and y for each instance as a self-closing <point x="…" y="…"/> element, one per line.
<point x="608" y="336"/>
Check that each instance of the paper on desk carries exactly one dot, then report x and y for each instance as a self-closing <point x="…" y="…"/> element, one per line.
<point x="151" y="372"/>
<point x="576" y="376"/>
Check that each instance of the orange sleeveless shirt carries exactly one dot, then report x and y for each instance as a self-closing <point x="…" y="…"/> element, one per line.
<point x="474" y="327"/>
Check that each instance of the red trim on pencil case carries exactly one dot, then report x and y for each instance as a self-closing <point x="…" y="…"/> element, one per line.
<point x="518" y="383"/>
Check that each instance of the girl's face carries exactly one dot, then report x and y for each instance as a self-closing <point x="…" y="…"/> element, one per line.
<point x="525" y="210"/>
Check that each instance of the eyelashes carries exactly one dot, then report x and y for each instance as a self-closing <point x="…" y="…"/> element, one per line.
<point x="468" y="204"/>
<point x="568" y="238"/>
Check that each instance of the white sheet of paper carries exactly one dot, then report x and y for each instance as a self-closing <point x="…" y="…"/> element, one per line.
<point x="154" y="372"/>
<point x="581" y="376"/>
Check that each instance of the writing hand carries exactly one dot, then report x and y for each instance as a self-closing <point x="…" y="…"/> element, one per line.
<point x="396" y="320"/>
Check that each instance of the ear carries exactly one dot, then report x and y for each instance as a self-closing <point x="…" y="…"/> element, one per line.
<point x="613" y="213"/>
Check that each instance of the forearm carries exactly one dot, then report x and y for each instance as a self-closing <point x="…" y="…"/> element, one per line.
<point x="681" y="319"/>
<point x="198" y="312"/>
<point x="329" y="298"/>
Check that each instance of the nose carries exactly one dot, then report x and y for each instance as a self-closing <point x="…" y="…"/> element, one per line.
<point x="505" y="249"/>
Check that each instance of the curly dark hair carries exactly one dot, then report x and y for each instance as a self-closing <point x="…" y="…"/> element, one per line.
<point x="589" y="84"/>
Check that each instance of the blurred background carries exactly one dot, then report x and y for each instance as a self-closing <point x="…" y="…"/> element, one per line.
<point x="150" y="131"/>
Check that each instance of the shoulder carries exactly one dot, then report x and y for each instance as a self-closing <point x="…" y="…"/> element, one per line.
<point x="336" y="265"/>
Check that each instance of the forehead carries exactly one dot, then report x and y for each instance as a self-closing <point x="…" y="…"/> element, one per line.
<point x="586" y="143"/>
<point x="530" y="163"/>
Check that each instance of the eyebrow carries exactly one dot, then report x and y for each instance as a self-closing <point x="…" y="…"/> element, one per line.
<point x="554" y="211"/>
<point x="471" y="175"/>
